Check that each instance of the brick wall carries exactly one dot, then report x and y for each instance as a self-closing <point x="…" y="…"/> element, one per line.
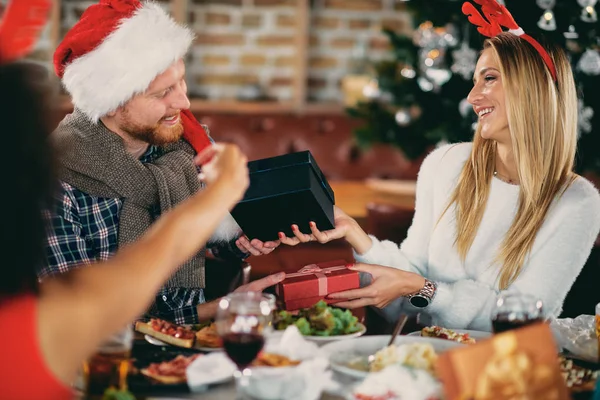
<point x="242" y="42"/>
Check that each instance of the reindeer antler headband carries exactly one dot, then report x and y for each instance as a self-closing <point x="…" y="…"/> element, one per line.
<point x="497" y="17"/>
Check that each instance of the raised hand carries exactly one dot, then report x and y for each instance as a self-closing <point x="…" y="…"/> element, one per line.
<point x="224" y="164"/>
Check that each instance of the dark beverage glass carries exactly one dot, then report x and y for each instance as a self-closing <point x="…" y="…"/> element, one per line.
<point x="109" y="366"/>
<point x="516" y="310"/>
<point x="243" y="348"/>
<point x="242" y="321"/>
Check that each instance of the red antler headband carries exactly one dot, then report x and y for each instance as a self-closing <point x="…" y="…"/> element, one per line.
<point x="20" y="27"/>
<point x="497" y="17"/>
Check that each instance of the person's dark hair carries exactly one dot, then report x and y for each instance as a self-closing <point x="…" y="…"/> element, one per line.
<point x="28" y="181"/>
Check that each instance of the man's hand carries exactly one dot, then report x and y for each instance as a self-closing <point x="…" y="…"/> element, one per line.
<point x="226" y="165"/>
<point x="208" y="311"/>
<point x="387" y="285"/>
<point x="261" y="284"/>
<point x="256" y="247"/>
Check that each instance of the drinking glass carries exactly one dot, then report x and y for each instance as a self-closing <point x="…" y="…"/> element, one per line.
<point x="514" y="310"/>
<point x="109" y="365"/>
<point x="242" y="321"/>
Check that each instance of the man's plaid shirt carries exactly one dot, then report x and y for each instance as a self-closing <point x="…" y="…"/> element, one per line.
<point x="83" y="229"/>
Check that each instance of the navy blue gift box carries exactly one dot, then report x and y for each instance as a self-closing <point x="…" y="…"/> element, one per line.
<point x="285" y="190"/>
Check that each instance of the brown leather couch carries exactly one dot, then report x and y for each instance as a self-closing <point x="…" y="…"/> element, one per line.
<point x="328" y="137"/>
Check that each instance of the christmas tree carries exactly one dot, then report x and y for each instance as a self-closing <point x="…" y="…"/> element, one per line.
<point x="420" y="98"/>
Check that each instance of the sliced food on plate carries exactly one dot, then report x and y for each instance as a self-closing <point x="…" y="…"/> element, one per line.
<point x="170" y="372"/>
<point x="167" y="332"/>
<point x="445" y="333"/>
<point x="414" y="355"/>
<point x="208" y="337"/>
<point x="274" y="360"/>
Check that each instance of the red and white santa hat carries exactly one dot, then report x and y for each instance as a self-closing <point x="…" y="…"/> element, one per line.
<point x="115" y="51"/>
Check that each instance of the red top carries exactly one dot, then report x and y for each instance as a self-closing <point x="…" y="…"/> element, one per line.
<point x="23" y="371"/>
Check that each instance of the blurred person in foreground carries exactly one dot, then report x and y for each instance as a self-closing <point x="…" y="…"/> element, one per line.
<point x="49" y="328"/>
<point x="505" y="212"/>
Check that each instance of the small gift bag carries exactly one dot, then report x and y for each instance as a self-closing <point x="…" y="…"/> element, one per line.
<point x="521" y="363"/>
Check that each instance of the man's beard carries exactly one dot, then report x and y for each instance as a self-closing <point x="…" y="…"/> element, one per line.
<point x="157" y="135"/>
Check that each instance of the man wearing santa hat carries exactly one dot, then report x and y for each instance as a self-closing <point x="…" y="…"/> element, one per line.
<point x="127" y="150"/>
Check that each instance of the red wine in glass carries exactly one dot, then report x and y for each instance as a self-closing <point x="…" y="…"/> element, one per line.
<point x="503" y="323"/>
<point x="242" y="348"/>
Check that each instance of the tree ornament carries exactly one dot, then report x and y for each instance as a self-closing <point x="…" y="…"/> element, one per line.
<point x="464" y="107"/>
<point x="589" y="63"/>
<point x="424" y="84"/>
<point x="371" y="90"/>
<point x="408" y="72"/>
<point x="571" y="34"/>
<point x="545" y="4"/>
<point x="547" y="21"/>
<point x="465" y="59"/>
<point x="584" y="120"/>
<point x="588" y="14"/>
<point x="403" y="117"/>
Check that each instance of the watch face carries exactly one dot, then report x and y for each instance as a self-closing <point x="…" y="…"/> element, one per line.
<point x="419" y="301"/>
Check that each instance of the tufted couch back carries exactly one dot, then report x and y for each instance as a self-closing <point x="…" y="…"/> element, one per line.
<point x="328" y="137"/>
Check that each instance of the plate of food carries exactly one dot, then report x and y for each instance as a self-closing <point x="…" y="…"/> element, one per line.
<point x="457" y="335"/>
<point x="163" y="333"/>
<point x="321" y="323"/>
<point x="358" y="357"/>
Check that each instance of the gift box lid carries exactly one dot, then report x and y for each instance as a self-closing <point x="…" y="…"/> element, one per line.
<point x="283" y="191"/>
<point x="286" y="161"/>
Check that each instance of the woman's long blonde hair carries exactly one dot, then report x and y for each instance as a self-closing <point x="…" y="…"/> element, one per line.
<point x="542" y="119"/>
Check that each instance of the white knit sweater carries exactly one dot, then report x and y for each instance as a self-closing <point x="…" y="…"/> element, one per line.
<point x="468" y="290"/>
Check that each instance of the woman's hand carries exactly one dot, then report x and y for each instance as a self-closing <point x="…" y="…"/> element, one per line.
<point x="226" y="165"/>
<point x="343" y="226"/>
<point x="387" y="285"/>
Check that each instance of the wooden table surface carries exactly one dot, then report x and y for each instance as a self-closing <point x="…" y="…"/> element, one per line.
<point x="353" y="196"/>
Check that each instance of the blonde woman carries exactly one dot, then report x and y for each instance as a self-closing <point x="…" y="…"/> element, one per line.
<point x="504" y="212"/>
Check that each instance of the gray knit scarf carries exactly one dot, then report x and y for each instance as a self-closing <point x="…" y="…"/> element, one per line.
<point x="94" y="160"/>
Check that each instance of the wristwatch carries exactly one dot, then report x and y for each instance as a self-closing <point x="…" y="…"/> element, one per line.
<point x="423" y="297"/>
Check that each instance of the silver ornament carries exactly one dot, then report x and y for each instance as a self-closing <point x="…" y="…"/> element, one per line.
<point x="587" y="3"/>
<point x="547" y="21"/>
<point x="584" y="120"/>
<point x="465" y="59"/>
<point x="464" y="107"/>
<point x="589" y="14"/>
<point x="589" y="63"/>
<point x="545" y="4"/>
<point x="403" y="117"/>
<point x="371" y="90"/>
<point x="408" y="72"/>
<point x="424" y="84"/>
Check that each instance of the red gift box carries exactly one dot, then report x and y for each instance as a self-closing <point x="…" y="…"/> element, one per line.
<point x="315" y="281"/>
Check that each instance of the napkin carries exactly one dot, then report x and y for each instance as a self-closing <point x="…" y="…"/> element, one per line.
<point x="303" y="382"/>
<point x="207" y="369"/>
<point x="577" y="335"/>
<point x="398" y="382"/>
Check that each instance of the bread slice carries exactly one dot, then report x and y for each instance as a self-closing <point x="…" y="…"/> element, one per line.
<point x="145" y="328"/>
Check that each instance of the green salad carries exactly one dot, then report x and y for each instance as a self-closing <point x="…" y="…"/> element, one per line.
<point x="319" y="320"/>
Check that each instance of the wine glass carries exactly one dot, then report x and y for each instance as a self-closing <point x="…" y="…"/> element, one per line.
<point x="514" y="310"/>
<point x="242" y="321"/>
